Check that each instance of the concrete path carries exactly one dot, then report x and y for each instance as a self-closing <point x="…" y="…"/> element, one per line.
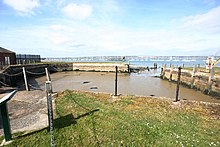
<point x="27" y="111"/>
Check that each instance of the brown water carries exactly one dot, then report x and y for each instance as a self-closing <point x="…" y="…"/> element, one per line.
<point x="130" y="84"/>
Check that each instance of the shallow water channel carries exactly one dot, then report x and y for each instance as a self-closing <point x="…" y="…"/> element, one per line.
<point x="130" y="84"/>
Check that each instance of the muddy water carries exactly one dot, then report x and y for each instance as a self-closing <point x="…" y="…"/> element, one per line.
<point x="130" y="84"/>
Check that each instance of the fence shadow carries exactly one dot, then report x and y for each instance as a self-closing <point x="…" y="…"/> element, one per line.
<point x="64" y="121"/>
<point x="59" y="123"/>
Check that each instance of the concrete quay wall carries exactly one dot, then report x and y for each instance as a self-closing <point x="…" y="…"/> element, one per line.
<point x="101" y="66"/>
<point x="208" y="83"/>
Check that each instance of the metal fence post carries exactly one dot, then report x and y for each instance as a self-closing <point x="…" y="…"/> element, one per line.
<point x="50" y="111"/>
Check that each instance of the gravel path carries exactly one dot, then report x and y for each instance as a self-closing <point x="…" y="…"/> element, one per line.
<point x="27" y="111"/>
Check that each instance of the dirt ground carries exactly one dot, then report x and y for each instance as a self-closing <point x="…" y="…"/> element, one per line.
<point x="27" y="111"/>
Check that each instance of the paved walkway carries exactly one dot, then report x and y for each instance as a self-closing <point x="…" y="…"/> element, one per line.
<point x="27" y="111"/>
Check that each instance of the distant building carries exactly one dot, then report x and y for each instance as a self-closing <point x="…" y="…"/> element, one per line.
<point x="7" y="57"/>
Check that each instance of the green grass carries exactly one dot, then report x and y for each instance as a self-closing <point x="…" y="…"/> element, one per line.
<point x="88" y="119"/>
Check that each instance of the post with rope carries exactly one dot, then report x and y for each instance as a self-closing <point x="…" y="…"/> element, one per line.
<point x="48" y="77"/>
<point x="25" y="79"/>
<point x="50" y="110"/>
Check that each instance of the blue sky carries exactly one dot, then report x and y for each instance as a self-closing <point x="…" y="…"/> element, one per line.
<point x="72" y="28"/>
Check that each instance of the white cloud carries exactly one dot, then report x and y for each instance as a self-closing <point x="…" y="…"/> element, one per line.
<point x="207" y="22"/>
<point x="23" y="6"/>
<point x="77" y="11"/>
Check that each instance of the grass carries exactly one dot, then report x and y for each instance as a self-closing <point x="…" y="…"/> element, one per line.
<point x="89" y="119"/>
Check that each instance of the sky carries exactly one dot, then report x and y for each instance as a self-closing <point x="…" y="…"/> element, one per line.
<point x="76" y="28"/>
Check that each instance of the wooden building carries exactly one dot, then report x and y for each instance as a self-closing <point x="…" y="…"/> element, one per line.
<point x="7" y="57"/>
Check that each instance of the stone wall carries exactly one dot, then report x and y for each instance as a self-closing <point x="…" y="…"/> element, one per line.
<point x="209" y="83"/>
<point x="100" y="66"/>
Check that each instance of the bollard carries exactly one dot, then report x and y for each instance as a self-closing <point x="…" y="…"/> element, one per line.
<point x="25" y="80"/>
<point x="116" y="80"/>
<point x="178" y="84"/>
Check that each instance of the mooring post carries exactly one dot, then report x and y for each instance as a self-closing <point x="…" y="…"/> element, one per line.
<point x="50" y="110"/>
<point x="25" y="80"/>
<point x="210" y="82"/>
<point x="116" y="80"/>
<point x="178" y="84"/>
<point x="161" y="73"/>
<point x="171" y="73"/>
<point x="193" y="76"/>
<point x="155" y="65"/>
<point x="164" y="69"/>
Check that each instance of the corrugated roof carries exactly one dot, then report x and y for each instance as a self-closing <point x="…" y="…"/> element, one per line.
<point x="3" y="50"/>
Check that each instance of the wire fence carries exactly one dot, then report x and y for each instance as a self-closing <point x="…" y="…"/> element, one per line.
<point x="27" y="59"/>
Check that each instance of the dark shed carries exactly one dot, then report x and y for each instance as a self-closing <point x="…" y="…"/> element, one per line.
<point x="7" y="57"/>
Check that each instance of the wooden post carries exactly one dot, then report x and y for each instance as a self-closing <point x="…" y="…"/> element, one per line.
<point x="25" y="80"/>
<point x="155" y="65"/>
<point x="163" y="72"/>
<point x="171" y="73"/>
<point x="210" y="82"/>
<point x="193" y="76"/>
<point x="116" y="80"/>
<point x="178" y="84"/>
